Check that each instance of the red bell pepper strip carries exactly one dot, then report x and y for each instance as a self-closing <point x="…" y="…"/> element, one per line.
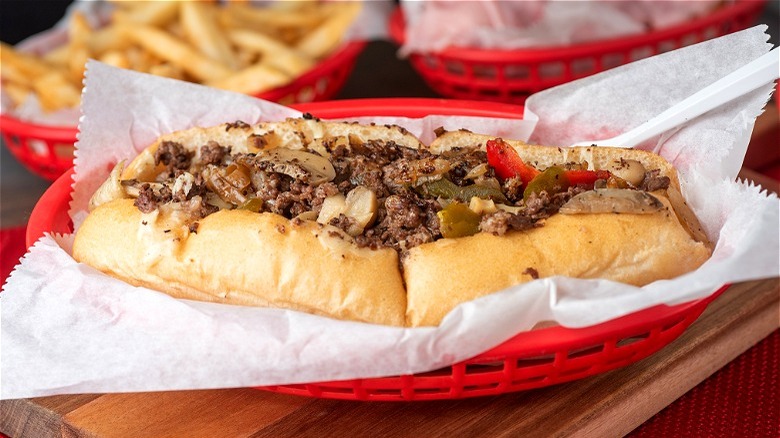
<point x="586" y="177"/>
<point x="507" y="163"/>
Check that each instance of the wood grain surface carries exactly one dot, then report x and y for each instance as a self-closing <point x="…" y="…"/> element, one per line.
<point x="610" y="404"/>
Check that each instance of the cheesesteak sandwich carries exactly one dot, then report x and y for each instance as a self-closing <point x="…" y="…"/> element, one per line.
<point x="364" y="222"/>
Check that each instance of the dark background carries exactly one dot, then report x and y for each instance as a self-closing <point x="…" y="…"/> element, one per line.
<point x="20" y="19"/>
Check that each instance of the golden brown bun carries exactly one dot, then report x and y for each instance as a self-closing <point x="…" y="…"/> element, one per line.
<point x="240" y="257"/>
<point x="633" y="249"/>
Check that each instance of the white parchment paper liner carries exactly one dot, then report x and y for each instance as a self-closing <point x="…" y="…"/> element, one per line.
<point x="69" y="329"/>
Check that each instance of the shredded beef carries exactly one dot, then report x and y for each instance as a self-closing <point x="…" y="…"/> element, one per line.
<point x="533" y="209"/>
<point x="397" y="238"/>
<point x="338" y="152"/>
<point x="212" y="153"/>
<point x="343" y="222"/>
<point x="257" y="141"/>
<point x="267" y="185"/>
<point x="236" y="124"/>
<point x="165" y="194"/>
<point x="406" y="216"/>
<point x="407" y="221"/>
<point x="397" y="174"/>
<point x="653" y="181"/>
<point x="542" y="205"/>
<point x="369" y="174"/>
<point x="173" y="155"/>
<point x="403" y="212"/>
<point x="147" y="200"/>
<point x="205" y="209"/>
<point x="499" y="222"/>
<point x="462" y="161"/>
<point x="513" y="189"/>
<point x="198" y="188"/>
<point x="323" y="191"/>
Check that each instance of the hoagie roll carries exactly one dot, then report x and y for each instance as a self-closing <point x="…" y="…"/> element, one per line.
<point x="366" y="223"/>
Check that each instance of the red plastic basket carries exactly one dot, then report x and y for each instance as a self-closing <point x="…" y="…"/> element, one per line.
<point x="47" y="151"/>
<point x="512" y="75"/>
<point x="529" y="360"/>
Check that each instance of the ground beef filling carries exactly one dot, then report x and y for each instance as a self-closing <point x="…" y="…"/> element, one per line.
<point x="406" y="214"/>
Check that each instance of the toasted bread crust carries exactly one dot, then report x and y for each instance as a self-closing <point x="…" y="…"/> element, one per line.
<point x="240" y="257"/>
<point x="632" y="249"/>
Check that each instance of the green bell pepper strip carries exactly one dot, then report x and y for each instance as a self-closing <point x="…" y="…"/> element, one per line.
<point x="445" y="188"/>
<point x="457" y="220"/>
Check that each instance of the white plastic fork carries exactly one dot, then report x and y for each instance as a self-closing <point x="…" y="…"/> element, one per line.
<point x="742" y="81"/>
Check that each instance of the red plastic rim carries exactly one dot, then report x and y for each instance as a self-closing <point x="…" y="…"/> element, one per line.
<point x="512" y="75"/>
<point x="47" y="151"/>
<point x="534" y="359"/>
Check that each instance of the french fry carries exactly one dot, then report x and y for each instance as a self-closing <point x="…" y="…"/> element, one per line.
<point x="17" y="92"/>
<point x="261" y="18"/>
<point x="116" y="58"/>
<point x="27" y="64"/>
<point x="79" y="32"/>
<point x="152" y="13"/>
<point x="126" y="4"/>
<point x="79" y="29"/>
<point x="77" y="62"/>
<point x="58" y="56"/>
<point x="254" y="79"/>
<point x="329" y="34"/>
<point x="167" y="70"/>
<point x="141" y="60"/>
<point x="295" y="5"/>
<point x="199" y="25"/>
<point x="175" y="29"/>
<point x="246" y="57"/>
<point x="275" y="54"/>
<point x="55" y="92"/>
<point x="107" y="39"/>
<point x="11" y="73"/>
<point x="177" y="52"/>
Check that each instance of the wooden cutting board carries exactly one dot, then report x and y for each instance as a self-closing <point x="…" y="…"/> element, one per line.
<point x="610" y="404"/>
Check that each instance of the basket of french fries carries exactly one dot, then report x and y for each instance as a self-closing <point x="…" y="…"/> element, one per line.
<point x="287" y="52"/>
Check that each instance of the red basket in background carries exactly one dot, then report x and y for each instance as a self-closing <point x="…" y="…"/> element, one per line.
<point x="533" y="359"/>
<point x="47" y="151"/>
<point x="44" y="150"/>
<point x="512" y="75"/>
